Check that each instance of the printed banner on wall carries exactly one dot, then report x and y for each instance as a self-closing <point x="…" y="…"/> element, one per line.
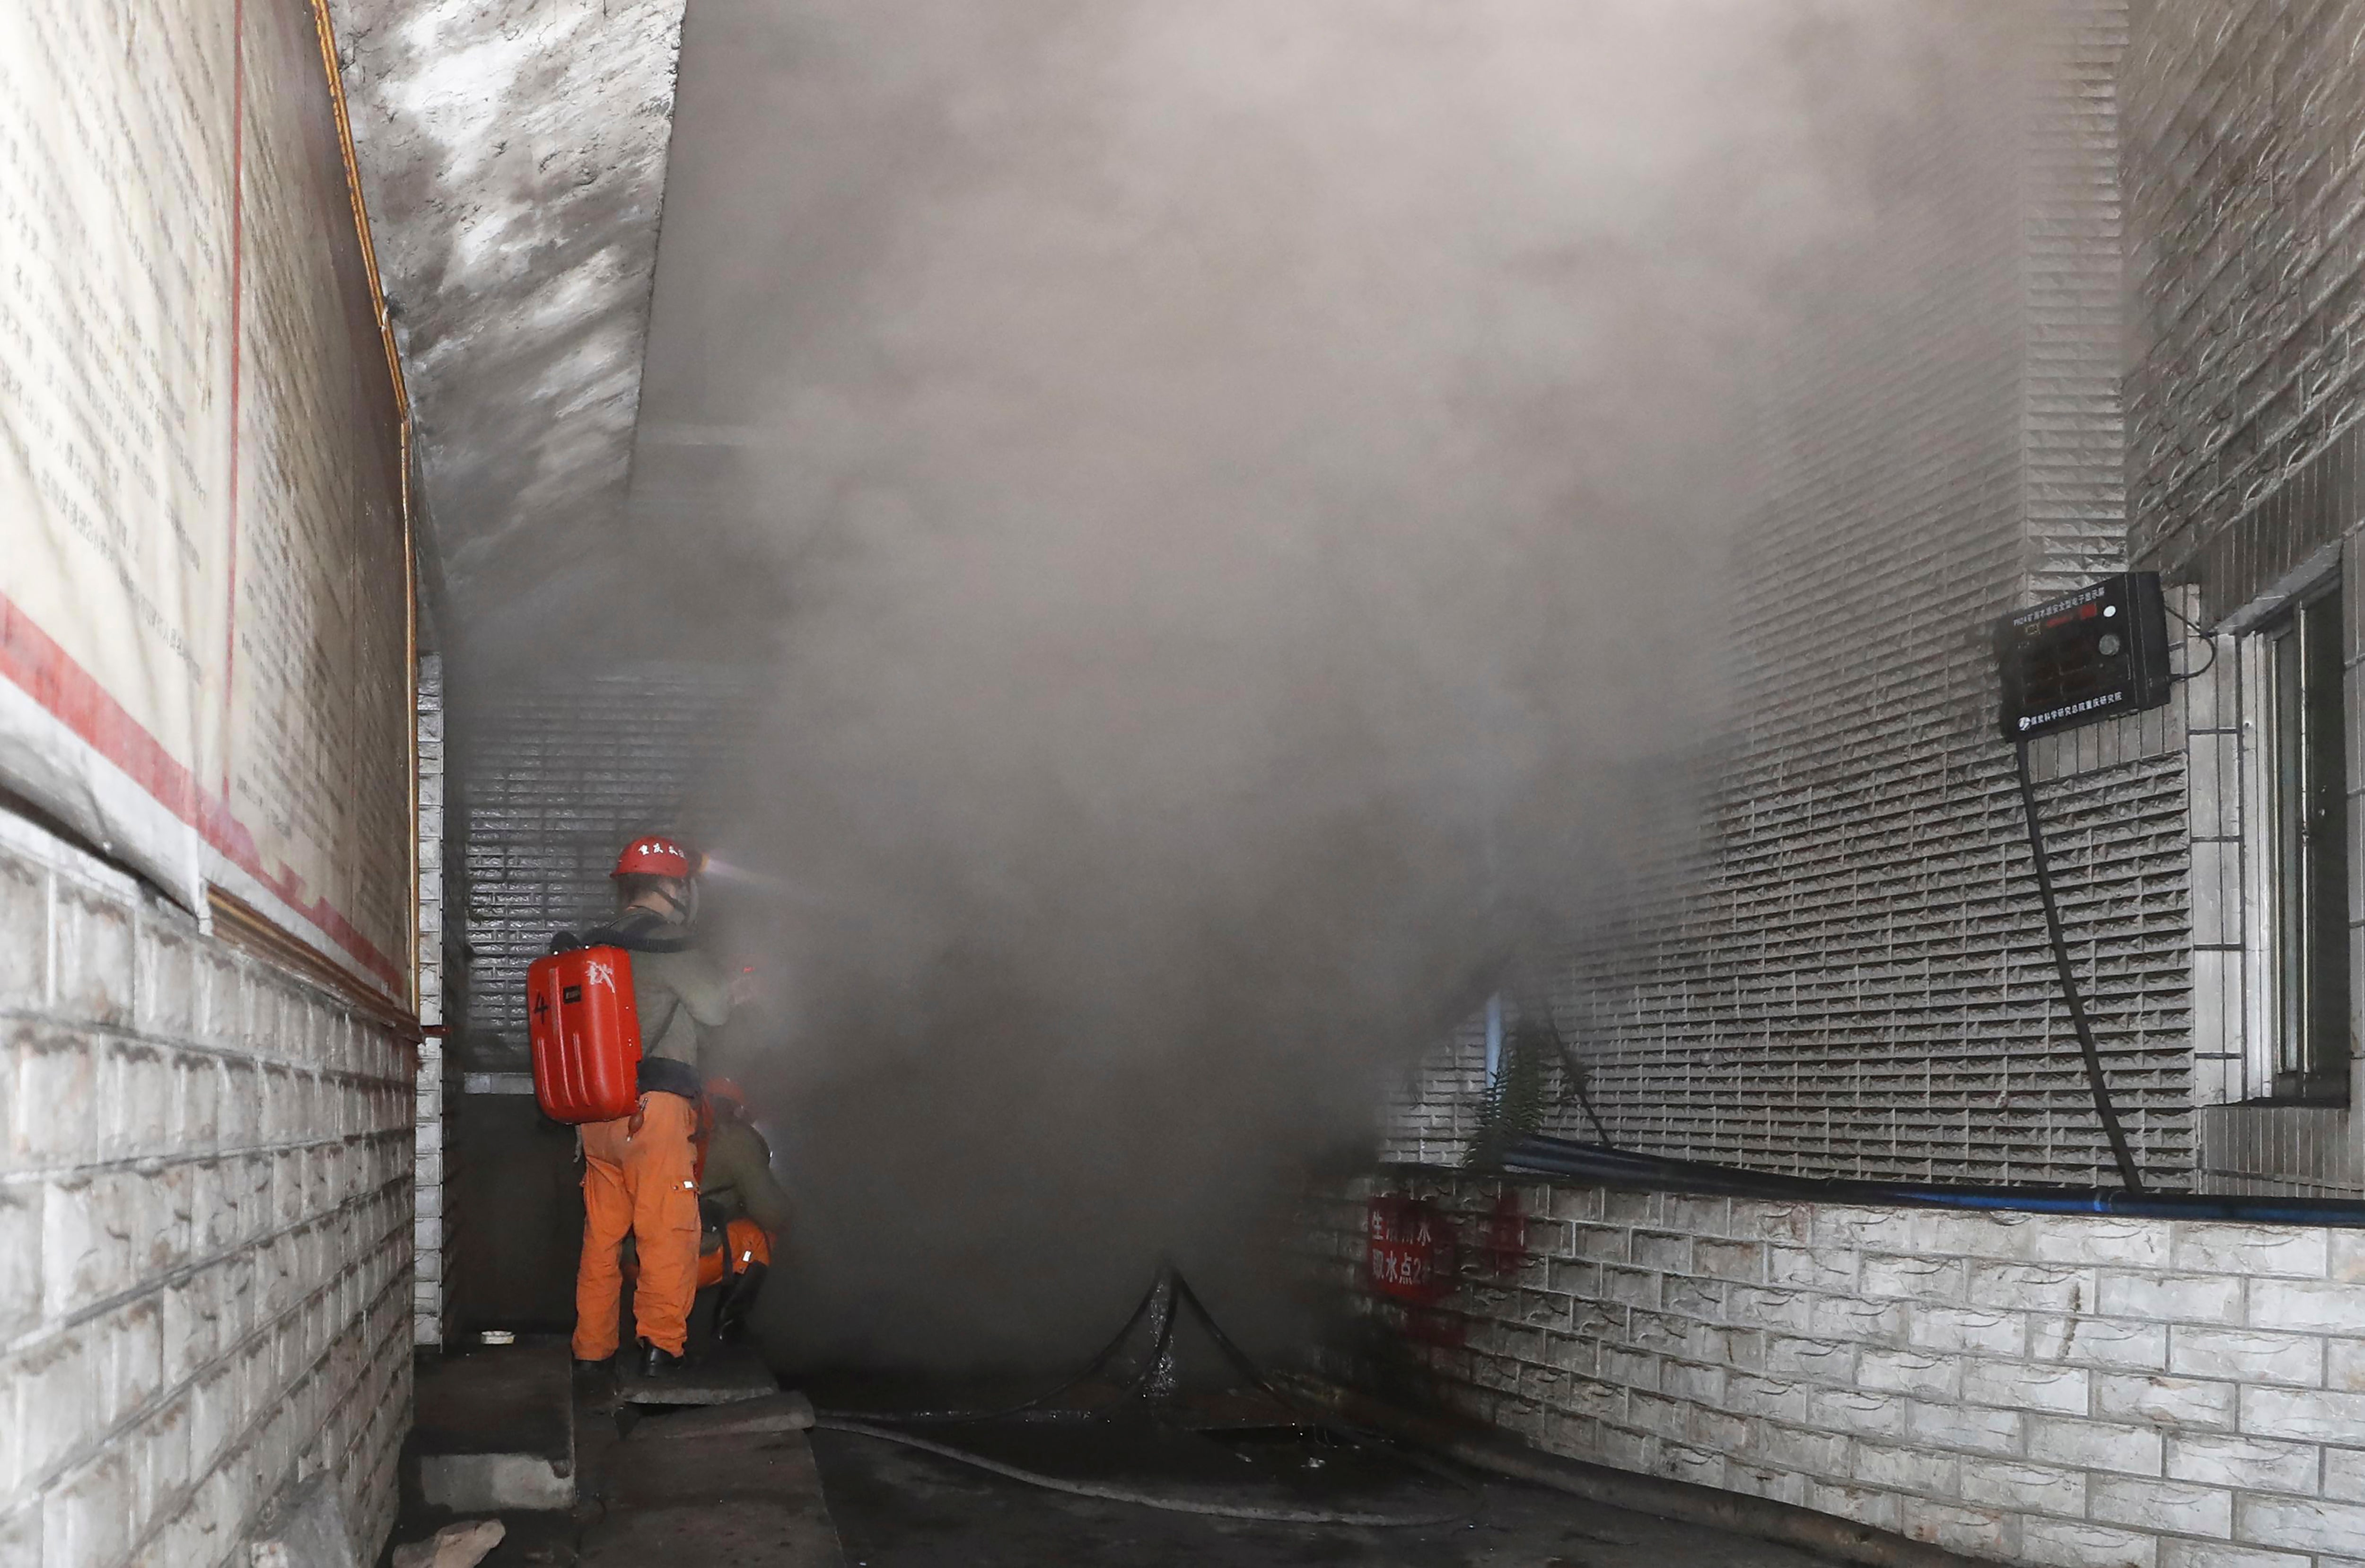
<point x="205" y="593"/>
<point x="116" y="199"/>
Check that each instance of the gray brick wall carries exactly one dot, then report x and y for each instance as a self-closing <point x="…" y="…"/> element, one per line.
<point x="2072" y="414"/>
<point x="205" y="1230"/>
<point x="1848" y="974"/>
<point x="2084" y="1391"/>
<point x="2243" y="181"/>
<point x="1432" y="1116"/>
<point x="559" y="777"/>
<point x="2243" y="171"/>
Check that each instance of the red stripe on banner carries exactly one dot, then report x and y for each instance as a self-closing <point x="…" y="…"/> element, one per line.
<point x="230" y="837"/>
<point x="53" y="677"/>
<point x="33" y="659"/>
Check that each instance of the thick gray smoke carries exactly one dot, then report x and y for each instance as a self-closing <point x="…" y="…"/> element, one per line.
<point x="1233" y="495"/>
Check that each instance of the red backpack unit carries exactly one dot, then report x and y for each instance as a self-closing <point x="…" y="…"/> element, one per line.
<point x="586" y="1028"/>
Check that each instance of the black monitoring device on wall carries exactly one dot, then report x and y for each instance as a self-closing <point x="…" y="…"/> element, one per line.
<point x="2095" y="654"/>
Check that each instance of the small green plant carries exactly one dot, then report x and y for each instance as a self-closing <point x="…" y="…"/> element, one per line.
<point x="1524" y="1096"/>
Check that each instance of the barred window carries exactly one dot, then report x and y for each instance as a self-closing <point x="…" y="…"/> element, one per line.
<point x="2306" y="837"/>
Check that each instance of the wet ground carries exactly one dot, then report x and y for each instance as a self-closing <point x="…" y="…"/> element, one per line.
<point x="899" y="1508"/>
<point x="659" y="1488"/>
<point x="719" y="1503"/>
<point x="661" y="1499"/>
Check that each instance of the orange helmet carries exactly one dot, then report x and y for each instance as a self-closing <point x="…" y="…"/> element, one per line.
<point x="724" y="1092"/>
<point x="656" y="856"/>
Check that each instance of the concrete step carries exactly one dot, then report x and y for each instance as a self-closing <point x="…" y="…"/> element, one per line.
<point x="728" y="1487"/>
<point x="742" y="1419"/>
<point x="722" y="1375"/>
<point x="496" y="1427"/>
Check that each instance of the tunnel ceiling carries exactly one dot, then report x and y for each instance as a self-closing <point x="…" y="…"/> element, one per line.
<point x="513" y="154"/>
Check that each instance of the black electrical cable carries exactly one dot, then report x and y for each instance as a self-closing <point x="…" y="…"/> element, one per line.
<point x="1575" y="1071"/>
<point x="2195" y="632"/>
<point x="2128" y="1173"/>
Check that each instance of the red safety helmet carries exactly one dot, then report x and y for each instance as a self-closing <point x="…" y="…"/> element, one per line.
<point x="655" y="857"/>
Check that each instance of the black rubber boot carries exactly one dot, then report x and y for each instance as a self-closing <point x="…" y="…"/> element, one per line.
<point x="738" y="1301"/>
<point x="656" y="1362"/>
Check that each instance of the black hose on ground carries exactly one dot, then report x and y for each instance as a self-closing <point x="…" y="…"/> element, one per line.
<point x="1261" y="1513"/>
<point x="1177" y="1298"/>
<point x="2128" y="1173"/>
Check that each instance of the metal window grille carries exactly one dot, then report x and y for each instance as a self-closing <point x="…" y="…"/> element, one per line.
<point x="2307" y="844"/>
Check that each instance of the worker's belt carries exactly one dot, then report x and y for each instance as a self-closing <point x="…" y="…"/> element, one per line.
<point x="663" y="1075"/>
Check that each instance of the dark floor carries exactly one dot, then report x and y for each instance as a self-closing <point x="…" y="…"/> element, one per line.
<point x="896" y="1508"/>
<point x="723" y="1502"/>
<point x="899" y="1508"/>
<point x="652" y="1489"/>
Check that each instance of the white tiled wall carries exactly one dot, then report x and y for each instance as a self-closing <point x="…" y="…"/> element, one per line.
<point x="205" y="1230"/>
<point x="2073" y="1391"/>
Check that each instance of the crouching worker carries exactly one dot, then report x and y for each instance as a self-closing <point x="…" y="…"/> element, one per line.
<point x="640" y="1172"/>
<point x="745" y="1209"/>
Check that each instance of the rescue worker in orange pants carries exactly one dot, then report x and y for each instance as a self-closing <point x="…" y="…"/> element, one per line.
<point x="640" y="1172"/>
<point x="743" y="1207"/>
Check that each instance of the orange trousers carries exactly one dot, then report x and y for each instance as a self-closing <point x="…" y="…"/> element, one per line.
<point x="744" y="1242"/>
<point x="642" y="1182"/>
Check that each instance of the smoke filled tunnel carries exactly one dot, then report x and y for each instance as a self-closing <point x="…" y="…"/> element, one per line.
<point x="1529" y="784"/>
